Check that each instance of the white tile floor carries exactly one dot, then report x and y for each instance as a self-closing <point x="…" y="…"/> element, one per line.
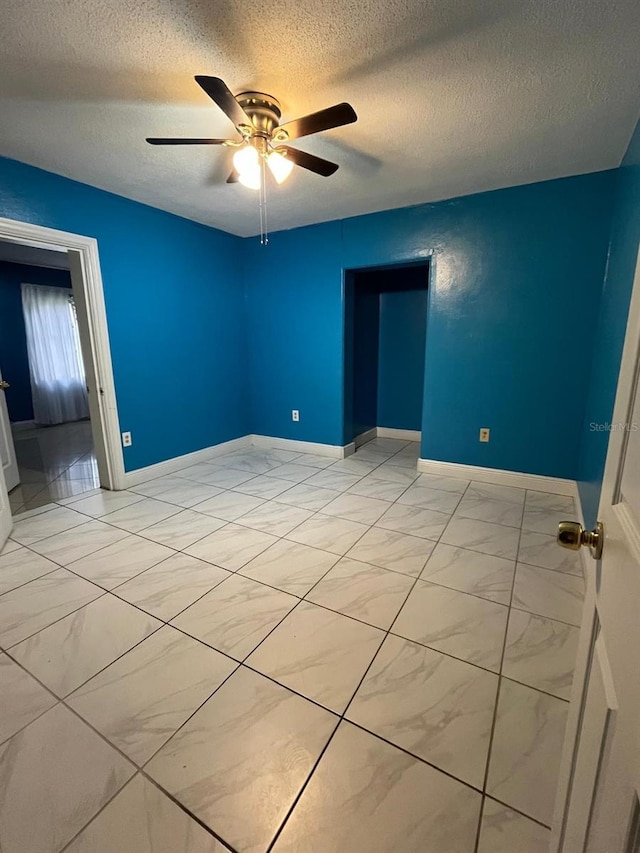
<point x="55" y="462"/>
<point x="277" y="652"/>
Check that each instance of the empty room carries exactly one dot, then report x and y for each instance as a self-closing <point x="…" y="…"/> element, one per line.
<point x="320" y="427"/>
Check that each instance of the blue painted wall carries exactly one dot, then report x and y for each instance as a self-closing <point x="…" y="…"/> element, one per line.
<point x="403" y="327"/>
<point x="609" y="340"/>
<point x="14" y="361"/>
<point x="174" y="307"/>
<point x="515" y="285"/>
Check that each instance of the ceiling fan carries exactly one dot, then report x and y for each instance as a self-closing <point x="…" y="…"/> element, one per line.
<point x="256" y="117"/>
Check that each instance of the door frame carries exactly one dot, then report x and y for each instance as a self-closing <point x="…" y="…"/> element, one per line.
<point x="106" y="426"/>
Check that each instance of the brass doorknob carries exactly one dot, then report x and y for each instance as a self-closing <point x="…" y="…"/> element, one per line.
<point x="4" y="385"/>
<point x="572" y="535"/>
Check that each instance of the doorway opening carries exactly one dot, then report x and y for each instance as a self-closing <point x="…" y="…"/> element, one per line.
<point x="59" y="432"/>
<point x="385" y="338"/>
<point x="45" y="389"/>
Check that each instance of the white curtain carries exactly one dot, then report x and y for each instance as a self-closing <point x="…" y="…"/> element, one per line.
<point x="58" y="383"/>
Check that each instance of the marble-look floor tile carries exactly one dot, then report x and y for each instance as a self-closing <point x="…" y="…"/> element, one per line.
<point x="231" y="547"/>
<point x="104" y="502"/>
<point x="137" y="516"/>
<point x="366" y="795"/>
<point x="318" y="653"/>
<point x="483" y="536"/>
<point x="547" y="500"/>
<point x="307" y="497"/>
<point x="252" y="743"/>
<point x="339" y="481"/>
<point x="356" y="508"/>
<point x="375" y="487"/>
<point x="292" y="473"/>
<point x="538" y="549"/>
<point x="236" y="615"/>
<point x="10" y="546"/>
<point x="158" y="485"/>
<point x="414" y="520"/>
<point x="142" y="819"/>
<point x="395" y="473"/>
<point x="187" y="493"/>
<point x="183" y="529"/>
<point x="446" y="484"/>
<point x="351" y="465"/>
<point x="67" y="653"/>
<point x="264" y="487"/>
<point x="64" y="548"/>
<point x="172" y="585"/>
<point x="30" y="608"/>
<point x="432" y="705"/>
<point x="505" y="831"/>
<point x="139" y="701"/>
<point x="540" y="520"/>
<point x="363" y="591"/>
<point x="547" y="593"/>
<point x="48" y="524"/>
<point x="470" y="571"/>
<point x="21" y="565"/>
<point x="526" y="749"/>
<point x="390" y="550"/>
<point x="313" y="460"/>
<point x="120" y="562"/>
<point x="277" y="519"/>
<point x="328" y="533"/>
<point x="289" y="566"/>
<point x="493" y="492"/>
<point x="486" y="509"/>
<point x="541" y="653"/>
<point x="421" y="495"/>
<point x="229" y="505"/>
<point x="22" y="699"/>
<point x="224" y="478"/>
<point x="455" y="623"/>
<point x="55" y="775"/>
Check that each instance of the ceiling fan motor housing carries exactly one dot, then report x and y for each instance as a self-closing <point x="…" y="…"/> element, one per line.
<point x="264" y="110"/>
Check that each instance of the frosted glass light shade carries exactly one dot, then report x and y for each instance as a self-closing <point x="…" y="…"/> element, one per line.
<point x="280" y="166"/>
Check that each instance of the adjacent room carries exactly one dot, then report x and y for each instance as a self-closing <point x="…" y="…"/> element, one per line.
<point x="319" y="368"/>
<point x="46" y="429"/>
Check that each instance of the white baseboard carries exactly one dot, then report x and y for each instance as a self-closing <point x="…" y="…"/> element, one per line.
<point x="402" y="434"/>
<point x="336" y="451"/>
<point x="364" y="437"/>
<point x="535" y="482"/>
<point x="169" y="466"/>
<point x="20" y="426"/>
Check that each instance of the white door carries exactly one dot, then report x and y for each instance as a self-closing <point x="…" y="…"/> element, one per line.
<point x="598" y="806"/>
<point x="7" y="450"/>
<point x="5" y="513"/>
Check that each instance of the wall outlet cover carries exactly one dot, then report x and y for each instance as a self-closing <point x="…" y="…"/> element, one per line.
<point x="485" y="433"/>
<point x="126" y="439"/>
<point x="295" y="415"/>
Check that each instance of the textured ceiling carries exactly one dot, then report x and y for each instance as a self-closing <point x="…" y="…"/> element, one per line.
<point x="453" y="96"/>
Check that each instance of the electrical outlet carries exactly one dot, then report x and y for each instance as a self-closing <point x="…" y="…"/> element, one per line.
<point x="485" y="433"/>
<point x="126" y="439"/>
<point x="295" y="415"/>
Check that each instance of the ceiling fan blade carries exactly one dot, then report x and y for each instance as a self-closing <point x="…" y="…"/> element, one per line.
<point x="219" y="92"/>
<point x="335" y="116"/>
<point x="155" y="140"/>
<point x="309" y="161"/>
<point x="233" y="178"/>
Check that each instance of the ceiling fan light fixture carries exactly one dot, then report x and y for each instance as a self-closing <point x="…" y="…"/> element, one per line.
<point x="246" y="162"/>
<point x="279" y="166"/>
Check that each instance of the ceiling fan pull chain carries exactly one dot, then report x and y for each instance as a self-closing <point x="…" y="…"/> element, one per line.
<point x="264" y="228"/>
